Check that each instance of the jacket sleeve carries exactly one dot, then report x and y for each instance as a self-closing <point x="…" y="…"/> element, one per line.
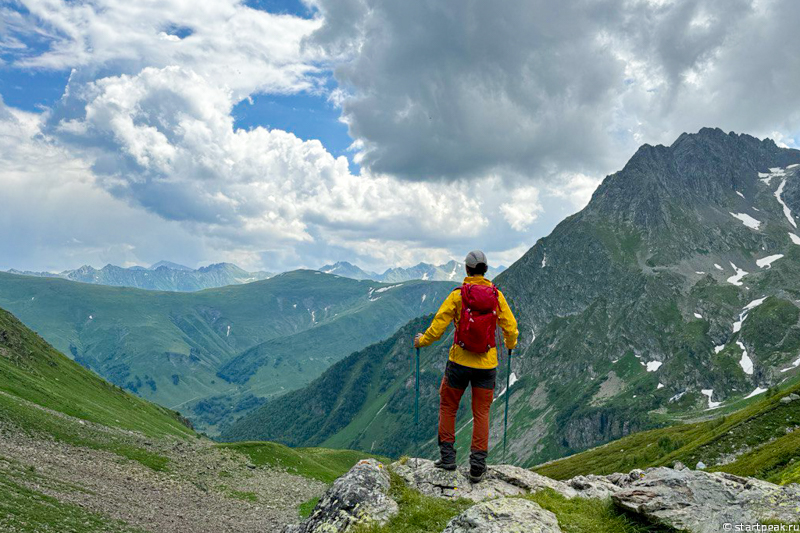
<point x="444" y="316"/>
<point x="507" y="322"/>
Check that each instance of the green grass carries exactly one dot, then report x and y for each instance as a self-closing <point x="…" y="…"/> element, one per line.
<point x="773" y="454"/>
<point x="317" y="463"/>
<point x="581" y="515"/>
<point x="306" y="508"/>
<point x="32" y="370"/>
<point x="418" y="513"/>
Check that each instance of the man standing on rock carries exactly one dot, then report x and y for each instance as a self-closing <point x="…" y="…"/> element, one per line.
<point x="475" y="308"/>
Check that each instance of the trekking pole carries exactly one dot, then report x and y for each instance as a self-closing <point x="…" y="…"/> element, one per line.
<point x="416" y="394"/>
<point x="508" y="393"/>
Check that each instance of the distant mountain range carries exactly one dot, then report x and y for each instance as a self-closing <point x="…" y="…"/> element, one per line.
<point x="451" y="271"/>
<point x="162" y="276"/>
<point x="168" y="276"/>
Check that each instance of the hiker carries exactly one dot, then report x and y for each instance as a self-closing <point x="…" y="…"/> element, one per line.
<point x="473" y="359"/>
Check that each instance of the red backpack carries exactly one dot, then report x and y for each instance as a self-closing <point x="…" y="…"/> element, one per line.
<point x="475" y="330"/>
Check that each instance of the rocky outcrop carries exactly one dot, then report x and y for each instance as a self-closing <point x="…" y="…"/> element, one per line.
<point x="500" y="481"/>
<point x="593" y="486"/>
<point x="504" y="515"/>
<point x="360" y="496"/>
<point x="702" y="502"/>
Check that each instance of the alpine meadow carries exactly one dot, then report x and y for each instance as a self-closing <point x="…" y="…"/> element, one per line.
<point x="363" y="266"/>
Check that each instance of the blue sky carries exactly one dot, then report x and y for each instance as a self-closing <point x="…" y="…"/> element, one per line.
<point x="280" y="134"/>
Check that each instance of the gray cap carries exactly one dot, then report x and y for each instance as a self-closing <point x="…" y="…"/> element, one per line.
<point x="475" y="257"/>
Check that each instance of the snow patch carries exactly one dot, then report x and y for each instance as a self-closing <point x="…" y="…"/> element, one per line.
<point x="710" y="393"/>
<point x="652" y="366"/>
<point x="384" y="289"/>
<point x="698" y="315"/>
<point x="745" y="362"/>
<point x="756" y="392"/>
<point x="425" y="276"/>
<point x="755" y="303"/>
<point x="511" y="380"/>
<point x="794" y="365"/>
<point x="719" y="348"/>
<point x="660" y="386"/>
<point x="699" y="272"/>
<point x="678" y="396"/>
<point x="795" y="238"/>
<point x="747" y="220"/>
<point x="424" y="297"/>
<point x="766" y="262"/>
<point x="544" y="260"/>
<point x="718" y="267"/>
<point x="793" y="166"/>
<point x="91" y="317"/>
<point x="736" y="279"/>
<point x="228" y="334"/>
<point x="740" y="194"/>
<point x="786" y="211"/>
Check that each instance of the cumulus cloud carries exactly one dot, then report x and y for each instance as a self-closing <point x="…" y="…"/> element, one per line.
<point x="475" y="124"/>
<point x="549" y="90"/>
<point x="523" y="209"/>
<point x="244" y="49"/>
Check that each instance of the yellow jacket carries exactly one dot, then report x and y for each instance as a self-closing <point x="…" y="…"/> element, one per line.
<point x="450" y="311"/>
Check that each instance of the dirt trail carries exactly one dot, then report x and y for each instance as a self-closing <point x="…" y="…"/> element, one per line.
<point x="202" y="489"/>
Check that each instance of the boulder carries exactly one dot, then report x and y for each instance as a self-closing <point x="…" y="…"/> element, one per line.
<point x="789" y="398"/>
<point x="592" y="486"/>
<point x="359" y="496"/>
<point x="504" y="515"/>
<point x="702" y="502"/>
<point x="500" y="481"/>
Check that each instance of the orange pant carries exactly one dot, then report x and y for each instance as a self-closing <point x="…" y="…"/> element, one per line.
<point x="454" y="383"/>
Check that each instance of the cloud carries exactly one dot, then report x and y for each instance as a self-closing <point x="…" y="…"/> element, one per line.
<point x="245" y="49"/>
<point x="523" y="209"/>
<point x="476" y="125"/>
<point x="548" y="90"/>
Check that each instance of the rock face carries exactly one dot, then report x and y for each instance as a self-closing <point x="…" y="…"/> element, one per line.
<point x="504" y="515"/>
<point x="360" y="496"/>
<point x="702" y="502"/>
<point x="500" y="481"/>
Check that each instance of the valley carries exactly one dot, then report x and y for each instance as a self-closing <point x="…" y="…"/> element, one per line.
<point x="216" y="353"/>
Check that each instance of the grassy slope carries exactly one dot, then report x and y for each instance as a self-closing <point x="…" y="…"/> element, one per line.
<point x="317" y="463"/>
<point x="168" y="347"/>
<point x="38" y="385"/>
<point x="32" y="370"/>
<point x="761" y="428"/>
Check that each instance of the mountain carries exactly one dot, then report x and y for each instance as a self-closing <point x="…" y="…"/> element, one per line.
<point x="451" y="271"/>
<point x="347" y="270"/>
<point x="674" y="292"/>
<point x="219" y="352"/>
<point x="168" y="264"/>
<point x="162" y="276"/>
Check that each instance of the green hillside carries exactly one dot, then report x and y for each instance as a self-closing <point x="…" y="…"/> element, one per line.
<point x="213" y="352"/>
<point x="61" y="427"/>
<point x="761" y="440"/>
<point x="32" y="371"/>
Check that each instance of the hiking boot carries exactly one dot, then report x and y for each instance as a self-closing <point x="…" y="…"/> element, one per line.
<point x="443" y="465"/>
<point x="477" y="474"/>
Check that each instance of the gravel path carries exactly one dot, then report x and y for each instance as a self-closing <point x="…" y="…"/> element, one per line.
<point x="196" y="493"/>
